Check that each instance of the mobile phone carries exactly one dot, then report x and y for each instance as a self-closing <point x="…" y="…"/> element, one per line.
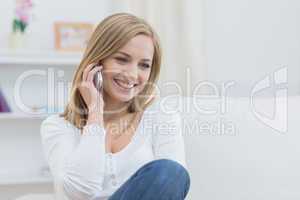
<point x="98" y="80"/>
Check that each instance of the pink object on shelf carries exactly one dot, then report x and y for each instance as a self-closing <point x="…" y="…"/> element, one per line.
<point x="4" y="107"/>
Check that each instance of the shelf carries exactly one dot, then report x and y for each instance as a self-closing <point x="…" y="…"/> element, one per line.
<point x="47" y="58"/>
<point x="12" y="116"/>
<point x="25" y="177"/>
<point x="24" y="180"/>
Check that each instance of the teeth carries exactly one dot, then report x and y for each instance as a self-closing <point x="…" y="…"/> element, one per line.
<point x="124" y="85"/>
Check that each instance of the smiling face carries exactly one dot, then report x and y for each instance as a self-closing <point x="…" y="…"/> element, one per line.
<point x="126" y="72"/>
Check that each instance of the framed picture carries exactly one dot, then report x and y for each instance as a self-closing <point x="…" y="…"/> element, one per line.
<point x="72" y="36"/>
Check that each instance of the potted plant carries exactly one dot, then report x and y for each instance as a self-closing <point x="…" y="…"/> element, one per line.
<point x="20" y="22"/>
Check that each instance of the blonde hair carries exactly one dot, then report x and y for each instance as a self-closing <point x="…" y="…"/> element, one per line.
<point x="109" y="36"/>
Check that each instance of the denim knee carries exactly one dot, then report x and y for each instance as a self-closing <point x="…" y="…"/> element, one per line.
<point x="172" y="172"/>
<point x="166" y="169"/>
<point x="159" y="179"/>
<point x="168" y="164"/>
<point x="171" y="165"/>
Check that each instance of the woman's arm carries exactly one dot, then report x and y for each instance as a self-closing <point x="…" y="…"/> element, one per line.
<point x="168" y="138"/>
<point x="77" y="167"/>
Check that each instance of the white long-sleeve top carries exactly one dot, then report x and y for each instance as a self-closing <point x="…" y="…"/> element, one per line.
<point x="81" y="168"/>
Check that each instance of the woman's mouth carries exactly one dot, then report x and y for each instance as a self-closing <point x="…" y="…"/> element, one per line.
<point x="122" y="85"/>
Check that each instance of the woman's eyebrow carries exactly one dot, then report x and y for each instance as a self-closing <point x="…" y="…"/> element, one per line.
<point x="123" y="53"/>
<point x="127" y="55"/>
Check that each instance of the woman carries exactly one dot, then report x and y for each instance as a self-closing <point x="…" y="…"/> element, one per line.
<point x="91" y="153"/>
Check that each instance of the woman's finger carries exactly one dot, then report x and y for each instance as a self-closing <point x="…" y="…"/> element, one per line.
<point x="86" y="71"/>
<point x="92" y="73"/>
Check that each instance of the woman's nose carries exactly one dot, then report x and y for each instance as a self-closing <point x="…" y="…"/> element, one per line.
<point x="132" y="72"/>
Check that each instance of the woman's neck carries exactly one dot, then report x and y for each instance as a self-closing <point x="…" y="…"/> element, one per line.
<point x="114" y="110"/>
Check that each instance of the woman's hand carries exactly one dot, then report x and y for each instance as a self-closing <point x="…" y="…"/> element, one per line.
<point x="92" y="97"/>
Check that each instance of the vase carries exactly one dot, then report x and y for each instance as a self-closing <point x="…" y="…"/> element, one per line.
<point x="17" y="40"/>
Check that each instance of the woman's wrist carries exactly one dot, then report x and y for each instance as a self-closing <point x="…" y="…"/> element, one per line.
<point x="95" y="117"/>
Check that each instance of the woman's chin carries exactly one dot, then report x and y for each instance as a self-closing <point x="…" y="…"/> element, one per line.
<point x="122" y="97"/>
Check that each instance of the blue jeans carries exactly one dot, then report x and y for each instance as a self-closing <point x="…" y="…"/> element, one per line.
<point x="157" y="180"/>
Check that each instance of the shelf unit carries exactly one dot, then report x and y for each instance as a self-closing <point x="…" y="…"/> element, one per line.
<point x="29" y="139"/>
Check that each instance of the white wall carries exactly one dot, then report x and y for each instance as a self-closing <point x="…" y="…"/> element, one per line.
<point x="248" y="39"/>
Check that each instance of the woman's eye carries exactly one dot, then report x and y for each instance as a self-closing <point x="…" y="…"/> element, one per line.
<point x="121" y="59"/>
<point x="145" y="65"/>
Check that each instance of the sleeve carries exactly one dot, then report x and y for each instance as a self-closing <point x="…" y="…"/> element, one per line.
<point x="77" y="166"/>
<point x="168" y="138"/>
